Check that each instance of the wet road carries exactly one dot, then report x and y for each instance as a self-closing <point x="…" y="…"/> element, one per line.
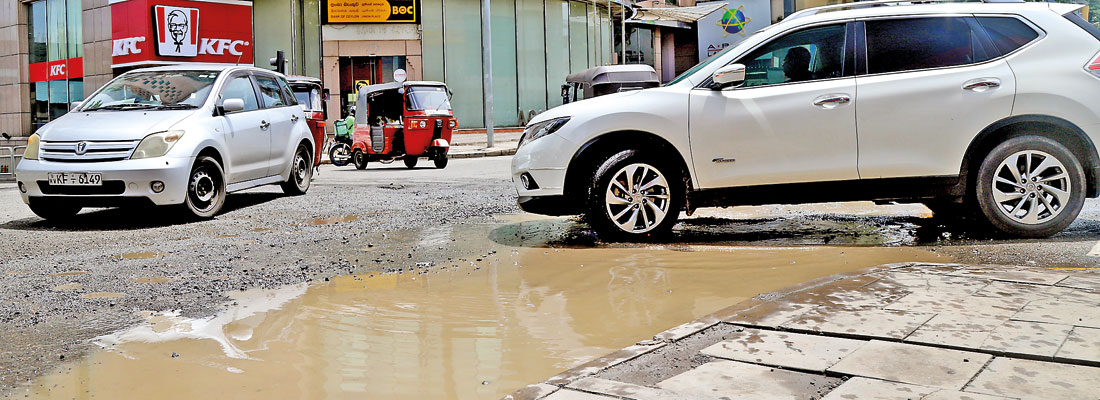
<point x="463" y="295"/>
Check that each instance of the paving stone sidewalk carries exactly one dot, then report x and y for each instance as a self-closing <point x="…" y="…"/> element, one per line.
<point x="901" y="331"/>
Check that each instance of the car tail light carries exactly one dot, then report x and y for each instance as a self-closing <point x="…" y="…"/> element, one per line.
<point x="321" y="124"/>
<point x="1093" y="66"/>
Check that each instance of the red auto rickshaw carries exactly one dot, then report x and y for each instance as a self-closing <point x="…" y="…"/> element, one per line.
<point x="311" y="96"/>
<point x="405" y="120"/>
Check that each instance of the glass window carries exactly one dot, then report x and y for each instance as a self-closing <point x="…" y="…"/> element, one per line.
<point x="241" y="88"/>
<point x="918" y="43"/>
<point x="270" y="91"/>
<point x="815" y="53"/>
<point x="154" y="90"/>
<point x="54" y="35"/>
<point x="1008" y="33"/>
<point x="427" y="98"/>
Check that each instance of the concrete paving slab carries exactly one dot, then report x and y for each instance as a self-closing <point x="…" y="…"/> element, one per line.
<point x="838" y="294"/>
<point x="631" y="391"/>
<point x="1081" y="281"/>
<point x="532" y="392"/>
<point x="1026" y="379"/>
<point x="1026" y="291"/>
<point x="1030" y="338"/>
<point x="1009" y="275"/>
<point x="934" y="282"/>
<point x="955" y="331"/>
<point x="1083" y="344"/>
<point x="784" y="349"/>
<point x="1082" y="296"/>
<point x="1060" y="312"/>
<point x="957" y="339"/>
<point x="870" y="323"/>
<point x="957" y="395"/>
<point x="681" y="331"/>
<point x="932" y="268"/>
<point x="567" y="394"/>
<point x="914" y="364"/>
<point x="873" y="389"/>
<point x="771" y="314"/>
<point x="735" y="380"/>
<point x="973" y="306"/>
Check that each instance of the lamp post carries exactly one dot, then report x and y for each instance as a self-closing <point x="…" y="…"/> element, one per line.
<point x="487" y="70"/>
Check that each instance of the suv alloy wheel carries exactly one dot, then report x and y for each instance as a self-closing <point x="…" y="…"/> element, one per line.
<point x="1030" y="186"/>
<point x="634" y="197"/>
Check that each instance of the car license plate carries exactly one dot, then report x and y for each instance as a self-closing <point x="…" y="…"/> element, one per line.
<point x="75" y="179"/>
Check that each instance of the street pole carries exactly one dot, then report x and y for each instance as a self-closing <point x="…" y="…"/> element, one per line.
<point x="487" y="70"/>
<point x="622" y="36"/>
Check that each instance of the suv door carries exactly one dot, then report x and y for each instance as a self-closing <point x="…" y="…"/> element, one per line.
<point x="793" y="120"/>
<point x="932" y="85"/>
<point x="282" y="111"/>
<point x="246" y="132"/>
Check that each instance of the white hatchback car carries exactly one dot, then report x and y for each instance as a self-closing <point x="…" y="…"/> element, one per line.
<point x="987" y="108"/>
<point x="169" y="135"/>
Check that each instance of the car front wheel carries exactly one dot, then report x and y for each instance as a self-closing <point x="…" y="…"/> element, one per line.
<point x="1030" y="186"/>
<point x="205" y="188"/>
<point x="634" y="197"/>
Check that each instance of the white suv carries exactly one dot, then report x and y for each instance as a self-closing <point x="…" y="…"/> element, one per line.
<point x="966" y="107"/>
<point x="170" y="135"/>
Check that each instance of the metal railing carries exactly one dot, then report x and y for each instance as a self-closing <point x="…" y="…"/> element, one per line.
<point x="9" y="159"/>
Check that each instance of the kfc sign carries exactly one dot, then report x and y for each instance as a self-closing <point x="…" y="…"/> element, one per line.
<point x="181" y="31"/>
<point x="56" y="70"/>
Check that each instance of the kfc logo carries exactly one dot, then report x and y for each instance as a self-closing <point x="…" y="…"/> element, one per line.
<point x="177" y="31"/>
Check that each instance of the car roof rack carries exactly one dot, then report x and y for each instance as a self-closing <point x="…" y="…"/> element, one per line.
<point x="882" y="3"/>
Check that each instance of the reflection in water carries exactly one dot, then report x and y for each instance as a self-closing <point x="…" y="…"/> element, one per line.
<point x="464" y="330"/>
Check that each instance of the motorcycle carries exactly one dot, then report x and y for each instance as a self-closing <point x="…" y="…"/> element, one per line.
<point x="340" y="148"/>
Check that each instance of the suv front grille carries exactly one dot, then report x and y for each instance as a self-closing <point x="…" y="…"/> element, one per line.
<point x="97" y="151"/>
<point x="108" y="188"/>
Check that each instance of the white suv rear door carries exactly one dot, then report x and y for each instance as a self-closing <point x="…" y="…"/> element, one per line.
<point x="932" y="84"/>
<point x="792" y="121"/>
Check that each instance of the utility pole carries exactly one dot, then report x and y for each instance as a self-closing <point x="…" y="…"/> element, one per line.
<point x="487" y="70"/>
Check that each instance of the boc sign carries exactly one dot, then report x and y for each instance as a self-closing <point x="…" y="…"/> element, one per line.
<point x="371" y="11"/>
<point x="150" y="32"/>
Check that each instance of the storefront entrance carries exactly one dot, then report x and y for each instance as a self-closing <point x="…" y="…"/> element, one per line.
<point x="369" y="70"/>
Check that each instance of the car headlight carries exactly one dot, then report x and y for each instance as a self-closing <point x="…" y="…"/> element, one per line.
<point x="538" y="130"/>
<point x="157" y="144"/>
<point x="31" y="153"/>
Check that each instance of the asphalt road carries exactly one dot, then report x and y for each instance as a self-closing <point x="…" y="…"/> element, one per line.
<point x="61" y="284"/>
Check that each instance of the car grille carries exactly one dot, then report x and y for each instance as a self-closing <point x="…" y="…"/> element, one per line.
<point x="108" y="187"/>
<point x="97" y="151"/>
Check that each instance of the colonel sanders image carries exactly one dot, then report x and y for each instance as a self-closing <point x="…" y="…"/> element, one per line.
<point x="177" y="26"/>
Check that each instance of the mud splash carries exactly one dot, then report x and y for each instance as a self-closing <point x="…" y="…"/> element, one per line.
<point x="472" y="328"/>
<point x="333" y="220"/>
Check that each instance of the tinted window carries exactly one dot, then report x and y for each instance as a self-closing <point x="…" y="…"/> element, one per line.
<point x="270" y="91"/>
<point x="815" y="53"/>
<point x="909" y="44"/>
<point x="288" y="94"/>
<point x="241" y="88"/>
<point x="1008" y="34"/>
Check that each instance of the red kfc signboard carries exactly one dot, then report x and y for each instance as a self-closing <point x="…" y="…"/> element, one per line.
<point x="72" y="68"/>
<point x="151" y="32"/>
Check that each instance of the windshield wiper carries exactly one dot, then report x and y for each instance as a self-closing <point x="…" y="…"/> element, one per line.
<point x="124" y="106"/>
<point x="178" y="106"/>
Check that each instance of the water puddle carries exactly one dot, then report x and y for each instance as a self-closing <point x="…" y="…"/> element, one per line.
<point x="69" y="273"/>
<point x="260" y="229"/>
<point x="68" y="287"/>
<point x="153" y="279"/>
<point x="103" y="295"/>
<point x="142" y="255"/>
<point x="474" y="327"/>
<point x="333" y="220"/>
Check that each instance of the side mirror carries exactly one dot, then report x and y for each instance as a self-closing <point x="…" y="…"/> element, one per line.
<point x="75" y="105"/>
<point x="732" y="75"/>
<point x="565" y="97"/>
<point x="232" y="105"/>
<point x="325" y="94"/>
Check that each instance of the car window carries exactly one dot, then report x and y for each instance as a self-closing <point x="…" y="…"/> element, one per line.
<point x="270" y="92"/>
<point x="288" y="94"/>
<point x="908" y="44"/>
<point x="240" y="87"/>
<point x="806" y="55"/>
<point x="1007" y="33"/>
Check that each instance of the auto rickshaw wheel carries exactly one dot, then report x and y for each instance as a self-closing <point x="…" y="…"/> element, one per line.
<point x="440" y="159"/>
<point x="410" y="161"/>
<point x="360" y="159"/>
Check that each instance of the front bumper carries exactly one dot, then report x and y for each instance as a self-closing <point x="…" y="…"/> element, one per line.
<point x="545" y="160"/>
<point x="133" y="176"/>
<point x="548" y="205"/>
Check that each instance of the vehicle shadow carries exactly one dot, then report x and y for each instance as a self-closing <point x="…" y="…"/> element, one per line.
<point x="803" y="230"/>
<point x="136" y="217"/>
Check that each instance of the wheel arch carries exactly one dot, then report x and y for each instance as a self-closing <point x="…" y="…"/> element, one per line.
<point x="213" y="153"/>
<point x="587" y="158"/>
<point x="1058" y="129"/>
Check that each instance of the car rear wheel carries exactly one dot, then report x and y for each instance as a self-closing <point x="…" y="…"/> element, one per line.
<point x="410" y="161"/>
<point x="360" y="159"/>
<point x="52" y="210"/>
<point x="205" y="188"/>
<point x="1030" y="186"/>
<point x="301" y="173"/>
<point x="634" y="197"/>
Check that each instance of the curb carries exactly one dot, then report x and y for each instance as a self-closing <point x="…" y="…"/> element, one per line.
<point x="479" y="154"/>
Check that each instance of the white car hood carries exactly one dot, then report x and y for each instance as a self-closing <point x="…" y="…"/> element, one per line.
<point x="111" y="125"/>
<point x="613" y="101"/>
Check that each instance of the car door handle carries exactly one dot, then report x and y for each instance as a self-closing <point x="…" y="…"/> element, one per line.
<point x="264" y="125"/>
<point x="293" y="118"/>
<point x="830" y="101"/>
<point x="982" y="84"/>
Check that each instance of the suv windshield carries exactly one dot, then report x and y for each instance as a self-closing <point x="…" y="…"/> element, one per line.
<point x="154" y="90"/>
<point x="427" y="98"/>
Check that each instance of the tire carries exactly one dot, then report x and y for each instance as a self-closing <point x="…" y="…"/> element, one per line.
<point x="359" y="159"/>
<point x="410" y="161"/>
<point x="51" y="210"/>
<point x="205" y="188"/>
<point x="337" y="154"/>
<point x="1030" y="186"/>
<point x="301" y="173"/>
<point x="609" y="206"/>
<point x="440" y="160"/>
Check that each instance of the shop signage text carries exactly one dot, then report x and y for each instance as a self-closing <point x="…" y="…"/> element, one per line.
<point x="56" y="70"/>
<point x="181" y="31"/>
<point x="371" y="11"/>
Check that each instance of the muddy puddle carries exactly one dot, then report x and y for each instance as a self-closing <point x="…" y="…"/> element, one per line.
<point x="462" y="329"/>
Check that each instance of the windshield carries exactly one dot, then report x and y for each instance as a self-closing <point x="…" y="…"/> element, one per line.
<point x="154" y="89"/>
<point x="427" y="98"/>
<point x="308" y="97"/>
